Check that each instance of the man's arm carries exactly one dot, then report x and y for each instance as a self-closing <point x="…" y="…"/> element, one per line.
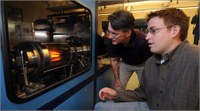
<point x="107" y="93"/>
<point x="115" y="68"/>
<point x="130" y="95"/>
<point x="139" y="94"/>
<point x="122" y="95"/>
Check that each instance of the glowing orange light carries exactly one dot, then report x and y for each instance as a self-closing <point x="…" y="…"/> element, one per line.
<point x="55" y="55"/>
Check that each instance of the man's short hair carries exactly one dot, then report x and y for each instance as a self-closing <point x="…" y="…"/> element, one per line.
<point x="121" y="20"/>
<point x="42" y="21"/>
<point x="173" y="16"/>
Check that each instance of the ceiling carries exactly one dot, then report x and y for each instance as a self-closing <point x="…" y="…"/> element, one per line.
<point x="112" y="2"/>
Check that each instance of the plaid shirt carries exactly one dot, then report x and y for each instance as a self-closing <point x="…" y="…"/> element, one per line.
<point x="169" y="82"/>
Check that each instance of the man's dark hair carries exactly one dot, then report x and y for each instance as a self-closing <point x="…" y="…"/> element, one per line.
<point x="42" y="21"/>
<point x="121" y="20"/>
<point x="173" y="16"/>
<point x="73" y="19"/>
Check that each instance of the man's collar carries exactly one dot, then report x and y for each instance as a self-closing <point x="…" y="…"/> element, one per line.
<point x="161" y="59"/>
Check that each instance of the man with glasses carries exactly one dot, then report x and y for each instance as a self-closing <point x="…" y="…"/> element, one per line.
<point x="126" y="44"/>
<point x="170" y="80"/>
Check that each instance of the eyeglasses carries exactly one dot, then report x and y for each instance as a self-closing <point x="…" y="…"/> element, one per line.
<point x="154" y="31"/>
<point x="113" y="33"/>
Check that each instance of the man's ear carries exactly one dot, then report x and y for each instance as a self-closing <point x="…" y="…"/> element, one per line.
<point x="128" y="33"/>
<point x="176" y="30"/>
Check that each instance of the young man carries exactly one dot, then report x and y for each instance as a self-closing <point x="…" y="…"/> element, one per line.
<point x="170" y="80"/>
<point x="128" y="44"/>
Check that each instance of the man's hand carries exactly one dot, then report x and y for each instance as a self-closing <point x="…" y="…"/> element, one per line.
<point x="107" y="93"/>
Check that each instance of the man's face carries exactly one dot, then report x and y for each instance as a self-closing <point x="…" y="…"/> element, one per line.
<point x="41" y="33"/>
<point x="117" y="36"/>
<point x="159" y="36"/>
<point x="41" y="26"/>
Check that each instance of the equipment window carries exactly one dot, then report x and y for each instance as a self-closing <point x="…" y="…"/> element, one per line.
<point x="49" y="43"/>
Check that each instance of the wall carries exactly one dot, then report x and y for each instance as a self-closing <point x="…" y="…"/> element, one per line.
<point x="141" y="9"/>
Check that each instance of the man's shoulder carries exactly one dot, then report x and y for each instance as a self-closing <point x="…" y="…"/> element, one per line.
<point x="189" y="48"/>
<point x="138" y="38"/>
<point x="139" y="34"/>
<point x="188" y="52"/>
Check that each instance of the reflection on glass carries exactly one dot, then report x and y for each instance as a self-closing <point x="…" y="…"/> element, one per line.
<point x="47" y="47"/>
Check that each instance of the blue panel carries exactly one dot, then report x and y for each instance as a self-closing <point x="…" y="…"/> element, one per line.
<point x="81" y="100"/>
<point x="105" y="80"/>
<point x="43" y="99"/>
<point x="2" y="80"/>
